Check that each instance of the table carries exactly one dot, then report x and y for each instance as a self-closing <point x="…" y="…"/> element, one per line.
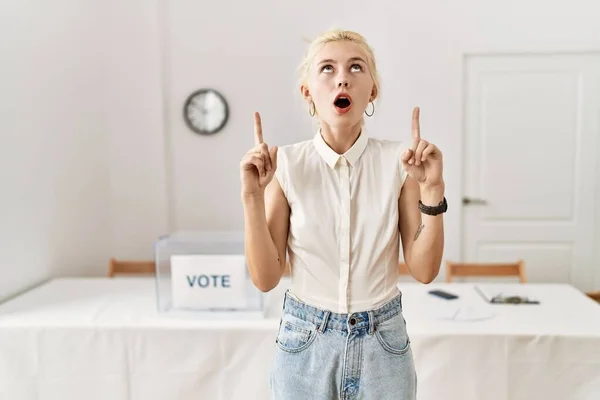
<point x="96" y="338"/>
<point x="505" y="351"/>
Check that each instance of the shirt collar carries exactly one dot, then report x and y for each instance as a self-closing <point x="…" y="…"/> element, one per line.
<point x="331" y="157"/>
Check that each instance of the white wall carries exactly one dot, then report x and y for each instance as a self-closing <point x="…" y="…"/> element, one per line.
<point x="54" y="213"/>
<point x="249" y="51"/>
<point x="596" y="265"/>
<point x="135" y="126"/>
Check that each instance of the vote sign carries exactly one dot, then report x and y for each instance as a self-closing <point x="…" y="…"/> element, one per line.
<point x="208" y="281"/>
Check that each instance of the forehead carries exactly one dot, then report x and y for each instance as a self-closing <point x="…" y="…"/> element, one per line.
<point x="339" y="51"/>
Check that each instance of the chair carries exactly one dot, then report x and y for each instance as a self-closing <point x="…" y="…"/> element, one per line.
<point x="516" y="269"/>
<point x="594" y="296"/>
<point x="130" y="267"/>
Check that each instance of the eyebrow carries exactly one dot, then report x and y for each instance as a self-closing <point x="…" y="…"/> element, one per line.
<point x="329" y="60"/>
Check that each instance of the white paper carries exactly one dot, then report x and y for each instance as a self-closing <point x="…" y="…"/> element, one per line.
<point x="463" y="313"/>
<point x="208" y="281"/>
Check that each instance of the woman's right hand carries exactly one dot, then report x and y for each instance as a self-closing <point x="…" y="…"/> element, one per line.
<point x="258" y="165"/>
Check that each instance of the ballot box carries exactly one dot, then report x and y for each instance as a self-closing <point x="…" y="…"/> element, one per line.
<point x="201" y="272"/>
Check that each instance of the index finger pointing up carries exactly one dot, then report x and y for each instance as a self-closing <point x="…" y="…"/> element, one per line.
<point x="416" y="127"/>
<point x="258" y="136"/>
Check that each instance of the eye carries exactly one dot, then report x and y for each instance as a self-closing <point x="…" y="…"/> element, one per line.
<point x="356" y="67"/>
<point x="327" y="68"/>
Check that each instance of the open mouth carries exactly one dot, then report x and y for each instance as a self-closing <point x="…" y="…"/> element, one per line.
<point x="342" y="101"/>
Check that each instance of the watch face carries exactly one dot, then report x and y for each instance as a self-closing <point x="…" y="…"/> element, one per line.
<point x="205" y="111"/>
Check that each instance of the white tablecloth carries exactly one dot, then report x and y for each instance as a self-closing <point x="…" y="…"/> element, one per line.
<point x="103" y="339"/>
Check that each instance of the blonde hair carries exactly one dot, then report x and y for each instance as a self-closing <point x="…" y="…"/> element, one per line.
<point x="336" y="35"/>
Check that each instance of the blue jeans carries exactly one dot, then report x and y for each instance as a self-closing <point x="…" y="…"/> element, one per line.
<point x="320" y="355"/>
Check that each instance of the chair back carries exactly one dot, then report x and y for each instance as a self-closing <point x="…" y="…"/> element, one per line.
<point x="516" y="269"/>
<point x="130" y="267"/>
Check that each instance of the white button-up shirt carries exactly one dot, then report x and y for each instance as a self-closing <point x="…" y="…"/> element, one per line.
<point x="343" y="241"/>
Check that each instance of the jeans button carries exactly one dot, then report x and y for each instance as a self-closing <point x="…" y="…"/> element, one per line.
<point x="352" y="321"/>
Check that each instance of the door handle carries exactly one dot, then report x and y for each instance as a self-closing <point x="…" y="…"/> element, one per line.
<point x="468" y="201"/>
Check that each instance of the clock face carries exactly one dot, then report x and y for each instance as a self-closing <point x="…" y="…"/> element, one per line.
<point x="205" y="111"/>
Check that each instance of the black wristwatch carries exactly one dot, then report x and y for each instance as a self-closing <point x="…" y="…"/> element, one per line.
<point x="434" y="210"/>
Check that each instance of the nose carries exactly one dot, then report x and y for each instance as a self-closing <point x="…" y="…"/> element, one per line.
<point x="343" y="79"/>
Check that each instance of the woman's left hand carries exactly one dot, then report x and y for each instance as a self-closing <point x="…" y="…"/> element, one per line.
<point x="423" y="160"/>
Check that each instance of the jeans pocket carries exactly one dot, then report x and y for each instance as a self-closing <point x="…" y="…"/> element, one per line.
<point x="295" y="334"/>
<point x="392" y="335"/>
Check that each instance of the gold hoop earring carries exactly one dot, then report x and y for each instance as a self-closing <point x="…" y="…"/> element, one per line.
<point x="372" y="112"/>
<point x="312" y="107"/>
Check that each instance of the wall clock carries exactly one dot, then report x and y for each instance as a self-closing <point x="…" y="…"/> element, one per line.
<point x="205" y="111"/>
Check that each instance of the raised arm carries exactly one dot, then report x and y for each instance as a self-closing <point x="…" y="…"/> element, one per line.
<point x="266" y="213"/>
<point x="422" y="234"/>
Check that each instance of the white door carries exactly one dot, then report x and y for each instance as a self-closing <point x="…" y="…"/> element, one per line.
<point x="531" y="144"/>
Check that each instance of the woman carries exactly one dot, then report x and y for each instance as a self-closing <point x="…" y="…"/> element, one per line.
<point x="337" y="207"/>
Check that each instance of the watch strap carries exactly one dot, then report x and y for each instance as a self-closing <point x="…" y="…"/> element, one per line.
<point x="434" y="210"/>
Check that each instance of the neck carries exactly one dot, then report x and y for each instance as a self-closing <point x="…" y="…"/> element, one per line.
<point x="340" y="139"/>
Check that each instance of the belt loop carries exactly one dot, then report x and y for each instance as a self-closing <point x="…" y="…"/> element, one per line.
<point x="285" y="297"/>
<point x="371" y="322"/>
<point x="324" y="322"/>
<point x="400" y="301"/>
